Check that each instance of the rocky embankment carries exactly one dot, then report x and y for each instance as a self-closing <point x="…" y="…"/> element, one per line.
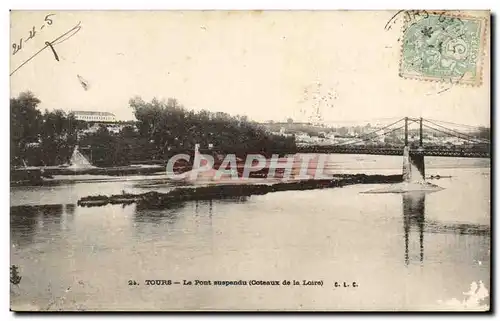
<point x="183" y="194"/>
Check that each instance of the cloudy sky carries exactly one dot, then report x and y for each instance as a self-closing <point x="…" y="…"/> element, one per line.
<point x="252" y="63"/>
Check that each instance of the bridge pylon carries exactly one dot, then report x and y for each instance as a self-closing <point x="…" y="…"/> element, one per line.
<point x="413" y="158"/>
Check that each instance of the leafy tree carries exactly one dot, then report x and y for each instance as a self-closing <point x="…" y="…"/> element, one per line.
<point x="41" y="139"/>
<point x="107" y="149"/>
<point x="58" y="136"/>
<point x="171" y="128"/>
<point x="162" y="129"/>
<point x="25" y="122"/>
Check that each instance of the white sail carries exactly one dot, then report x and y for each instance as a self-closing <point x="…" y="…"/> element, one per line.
<point x="78" y="160"/>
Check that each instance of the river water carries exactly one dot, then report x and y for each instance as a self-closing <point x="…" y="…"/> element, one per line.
<point x="405" y="252"/>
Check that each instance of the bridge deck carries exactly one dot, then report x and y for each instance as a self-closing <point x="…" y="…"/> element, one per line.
<point x="442" y="152"/>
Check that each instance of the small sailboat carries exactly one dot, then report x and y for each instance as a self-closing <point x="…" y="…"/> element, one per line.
<point x="78" y="161"/>
<point x="199" y="173"/>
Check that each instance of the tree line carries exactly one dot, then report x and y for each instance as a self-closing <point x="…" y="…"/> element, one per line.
<point x="162" y="129"/>
<point x="38" y="138"/>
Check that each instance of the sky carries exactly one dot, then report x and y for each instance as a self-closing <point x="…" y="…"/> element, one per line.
<point x="250" y="63"/>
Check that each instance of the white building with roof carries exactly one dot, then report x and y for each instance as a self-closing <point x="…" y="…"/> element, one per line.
<point x="94" y="116"/>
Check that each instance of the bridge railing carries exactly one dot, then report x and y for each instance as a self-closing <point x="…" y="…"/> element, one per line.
<point x="431" y="151"/>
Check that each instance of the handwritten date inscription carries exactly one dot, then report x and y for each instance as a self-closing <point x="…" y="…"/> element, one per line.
<point x="16" y="46"/>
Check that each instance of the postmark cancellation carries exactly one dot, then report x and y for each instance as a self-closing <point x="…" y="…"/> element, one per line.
<point x="444" y="47"/>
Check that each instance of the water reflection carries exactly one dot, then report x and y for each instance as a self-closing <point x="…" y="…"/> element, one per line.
<point x="70" y="209"/>
<point x="26" y="220"/>
<point x="414" y="220"/>
<point x="171" y="212"/>
<point x="168" y="214"/>
<point x="261" y="237"/>
<point x="234" y="199"/>
<point x="210" y="208"/>
<point x="414" y="216"/>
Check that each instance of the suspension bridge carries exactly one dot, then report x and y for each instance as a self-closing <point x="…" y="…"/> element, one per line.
<point x="471" y="145"/>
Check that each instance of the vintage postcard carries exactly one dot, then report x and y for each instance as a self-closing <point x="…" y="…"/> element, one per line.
<point x="250" y="160"/>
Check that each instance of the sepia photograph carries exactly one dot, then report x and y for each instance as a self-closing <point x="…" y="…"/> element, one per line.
<point x="250" y="160"/>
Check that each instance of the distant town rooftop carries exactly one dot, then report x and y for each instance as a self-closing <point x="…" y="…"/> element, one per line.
<point x="92" y="113"/>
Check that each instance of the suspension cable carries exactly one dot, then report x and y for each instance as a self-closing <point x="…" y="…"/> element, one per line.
<point x="441" y="131"/>
<point x="370" y="139"/>
<point x="457" y="132"/>
<point x="451" y="123"/>
<point x="361" y="138"/>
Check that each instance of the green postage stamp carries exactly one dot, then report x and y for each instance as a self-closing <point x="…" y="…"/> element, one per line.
<point x="444" y="47"/>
